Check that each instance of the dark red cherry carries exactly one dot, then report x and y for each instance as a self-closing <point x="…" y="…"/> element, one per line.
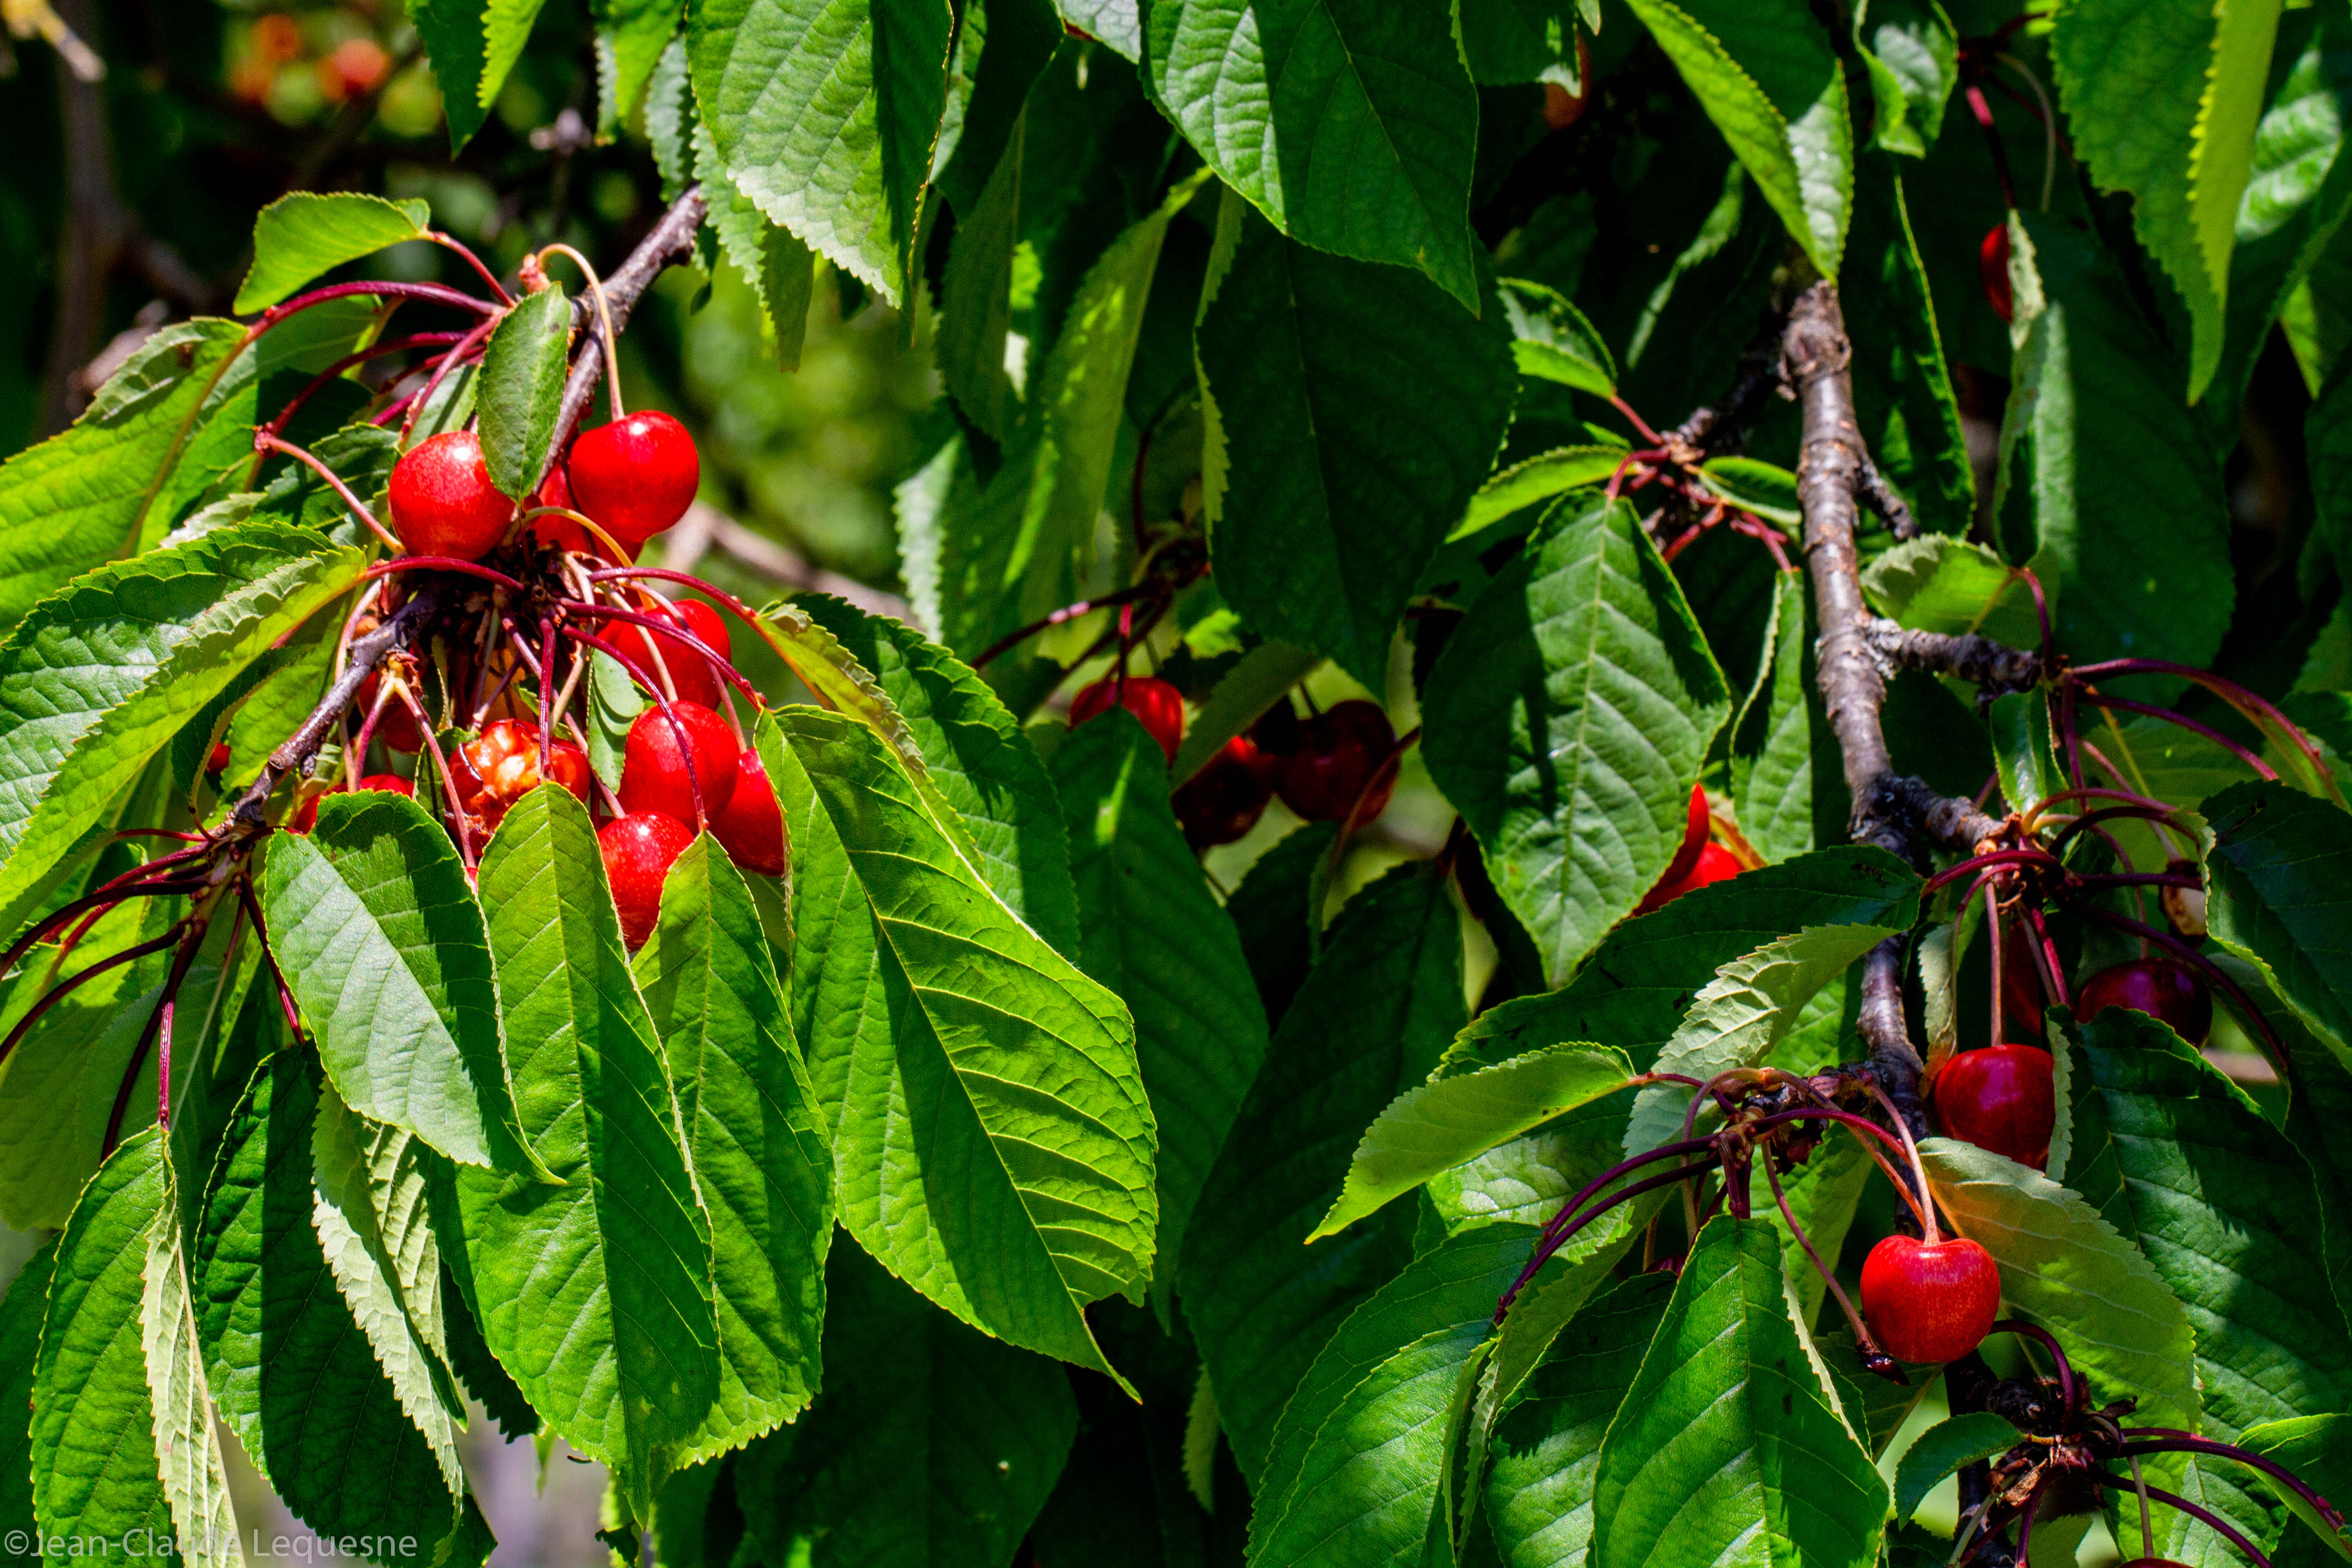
<point x="2020" y="985"/>
<point x="1226" y="797"/>
<point x="501" y="765"/>
<point x="751" y="826"/>
<point x="635" y="476"/>
<point x="217" y="762"/>
<point x="1159" y="705"/>
<point x="1992" y="270"/>
<point x="560" y="532"/>
<point x="638" y="849"/>
<point x="2001" y="1098"/>
<point x="443" y="503"/>
<point x="2159" y="987"/>
<point x="1929" y="1303"/>
<point x="654" y="769"/>
<point x="1716" y="864"/>
<point x="1340" y="751"/>
<point x="1695" y="828"/>
<point x="391" y="784"/>
<point x="688" y="670"/>
<point x="1563" y="108"/>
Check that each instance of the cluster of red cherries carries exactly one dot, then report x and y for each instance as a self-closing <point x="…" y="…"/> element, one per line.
<point x="1337" y="764"/>
<point x="684" y="760"/>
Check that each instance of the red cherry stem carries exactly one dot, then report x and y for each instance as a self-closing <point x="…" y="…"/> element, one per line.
<point x="95" y="902"/>
<point x="550" y="696"/>
<point x="1863" y="1342"/>
<point x="1066" y="613"/>
<point x="449" y="242"/>
<point x="1385" y="771"/>
<point x="1922" y="1204"/>
<point x="726" y="601"/>
<point x="1859" y="1125"/>
<point x="444" y="564"/>
<point x="285" y="993"/>
<point x="2091" y="820"/>
<point x="1639" y="423"/>
<point x="2141" y="1441"/>
<point x="2096" y="792"/>
<point x="668" y="713"/>
<point x="64" y="989"/>
<point x="2140" y="880"/>
<point x="263" y="441"/>
<point x="356" y="759"/>
<point x="2216" y="1525"/>
<point x="373" y="350"/>
<point x="2044" y="950"/>
<point x="2205" y="967"/>
<point x="191" y="936"/>
<point x="668" y="629"/>
<point x="2254" y="707"/>
<point x="1983" y="112"/>
<point x="2025" y="1522"/>
<point x="2069" y="1389"/>
<point x="1546" y="1246"/>
<point x="448" y="782"/>
<point x="2150" y="711"/>
<point x="431" y="293"/>
<point x="1976" y="863"/>
<point x="464" y="350"/>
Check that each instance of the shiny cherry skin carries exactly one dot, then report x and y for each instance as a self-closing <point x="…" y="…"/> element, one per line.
<point x="638" y="849"/>
<point x="688" y="670"/>
<point x="1715" y="864"/>
<point x="391" y="784"/>
<point x="1695" y="828"/>
<point x="1159" y="706"/>
<point x="1929" y="1303"/>
<point x="1340" y="751"/>
<point x="501" y="765"/>
<point x="1226" y="797"/>
<point x="2001" y="1098"/>
<point x="217" y="762"/>
<point x="1992" y="270"/>
<point x="2159" y="987"/>
<point x="443" y="503"/>
<point x="751" y="826"/>
<point x="654" y="770"/>
<point x="635" y="476"/>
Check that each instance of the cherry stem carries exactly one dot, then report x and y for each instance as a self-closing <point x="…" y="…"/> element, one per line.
<point x="726" y="601"/>
<point x="163" y="1070"/>
<point x="2140" y="880"/>
<point x="1858" y="1125"/>
<point x="2069" y="1389"/>
<point x="2025" y="1522"/>
<point x="276" y="425"/>
<point x="2149" y="710"/>
<point x="99" y="901"/>
<point x="2045" y="959"/>
<point x="432" y="293"/>
<point x="603" y="319"/>
<point x="2092" y="819"/>
<point x="1925" y="1206"/>
<point x="550" y="697"/>
<point x="444" y="564"/>
<point x="1066" y="613"/>
<point x="1548" y="1246"/>
<point x="58" y="993"/>
<point x="668" y="713"/>
<point x="191" y="936"/>
<point x="2143" y="1441"/>
<point x="1863" y="1342"/>
<point x="668" y="629"/>
<point x="449" y="242"/>
<point x="265" y="442"/>
<point x="1975" y="863"/>
<point x="463" y="350"/>
<point x="2094" y="791"/>
<point x="2210" y="1523"/>
<point x="2249" y="703"/>
<point x="1639" y="423"/>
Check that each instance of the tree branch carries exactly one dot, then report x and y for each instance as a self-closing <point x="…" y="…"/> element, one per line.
<point x="1994" y="667"/>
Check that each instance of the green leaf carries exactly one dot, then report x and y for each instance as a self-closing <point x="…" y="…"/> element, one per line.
<point x="1014" y="42"/>
<point x="1551" y="340"/>
<point x="1263" y="677"/>
<point x="1944" y="1448"/>
<point x="596" y="1293"/>
<point x="1546" y="1449"/>
<point x="976" y="297"/>
<point x="991" y="1138"/>
<point x="122" y="1440"/>
<point x="1765" y="489"/>
<point x="1509" y="41"/>
<point x="1938" y="584"/>
<point x="934" y="1444"/>
<point x="1024" y="547"/>
<point x="1902" y="382"/>
<point x="1359" y="1457"/>
<point x="755" y="1137"/>
<point x="1767" y="75"/>
<point x="521" y="386"/>
<point x="296" y="1375"/>
<point x="1912" y="51"/>
<point x="1773" y="770"/>
<point x="1155" y="935"/>
<point x="299" y="236"/>
<point x="633" y="33"/>
<point x="1740" y="1015"/>
<point x="1369" y="1023"/>
<point x="2131" y="535"/>
<point x="101" y="677"/>
<point x="1566" y="719"/>
<point x="2069" y="1271"/>
<point x="457" y="47"/>
<point x="377" y="931"/>
<point x="22" y="1307"/>
<point x="2024" y="752"/>
<point x="2162" y="100"/>
<point x="1537" y="479"/>
<point x="978" y="759"/>
<point x="2274" y="878"/>
<point x="1271" y="909"/>
<point x="1729" y="1431"/>
<point x="2319" y="1450"/>
<point x="826" y="112"/>
<point x="1633" y="992"/>
<point x="1352" y="124"/>
<point x="85" y="495"/>
<point x="1358" y="410"/>
<point x="1441" y="1123"/>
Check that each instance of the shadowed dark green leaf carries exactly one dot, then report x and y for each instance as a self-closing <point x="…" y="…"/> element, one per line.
<point x="1912" y="52"/>
<point x="1902" y="384"/>
<point x="2277" y="880"/>
<point x="1551" y="340"/>
<point x="21" y="1311"/>
<point x="1942" y="1449"/>
<point x="1270" y="910"/>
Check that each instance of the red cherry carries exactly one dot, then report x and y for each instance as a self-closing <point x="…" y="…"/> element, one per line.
<point x="2164" y="990"/>
<point x="1563" y="108"/>
<point x="688" y="670"/>
<point x="1929" y="1303"/>
<point x="1226" y="797"/>
<point x="1159" y="705"/>
<point x="1716" y="864"/>
<point x="1339" y="751"/>
<point x="1992" y="270"/>
<point x="396" y="726"/>
<point x="2020" y="985"/>
<point x="1694" y="838"/>
<point x="501" y="765"/>
<point x="635" y="476"/>
<point x="2002" y="1098"/>
<point x="391" y="784"/>
<point x="443" y="503"/>
<point x="638" y="849"/>
<point x="654" y="770"/>
<point x="217" y="762"/>
<point x="559" y="532"/>
<point x="751" y="826"/>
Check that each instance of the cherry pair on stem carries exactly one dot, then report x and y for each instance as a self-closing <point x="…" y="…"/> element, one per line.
<point x="630" y="479"/>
